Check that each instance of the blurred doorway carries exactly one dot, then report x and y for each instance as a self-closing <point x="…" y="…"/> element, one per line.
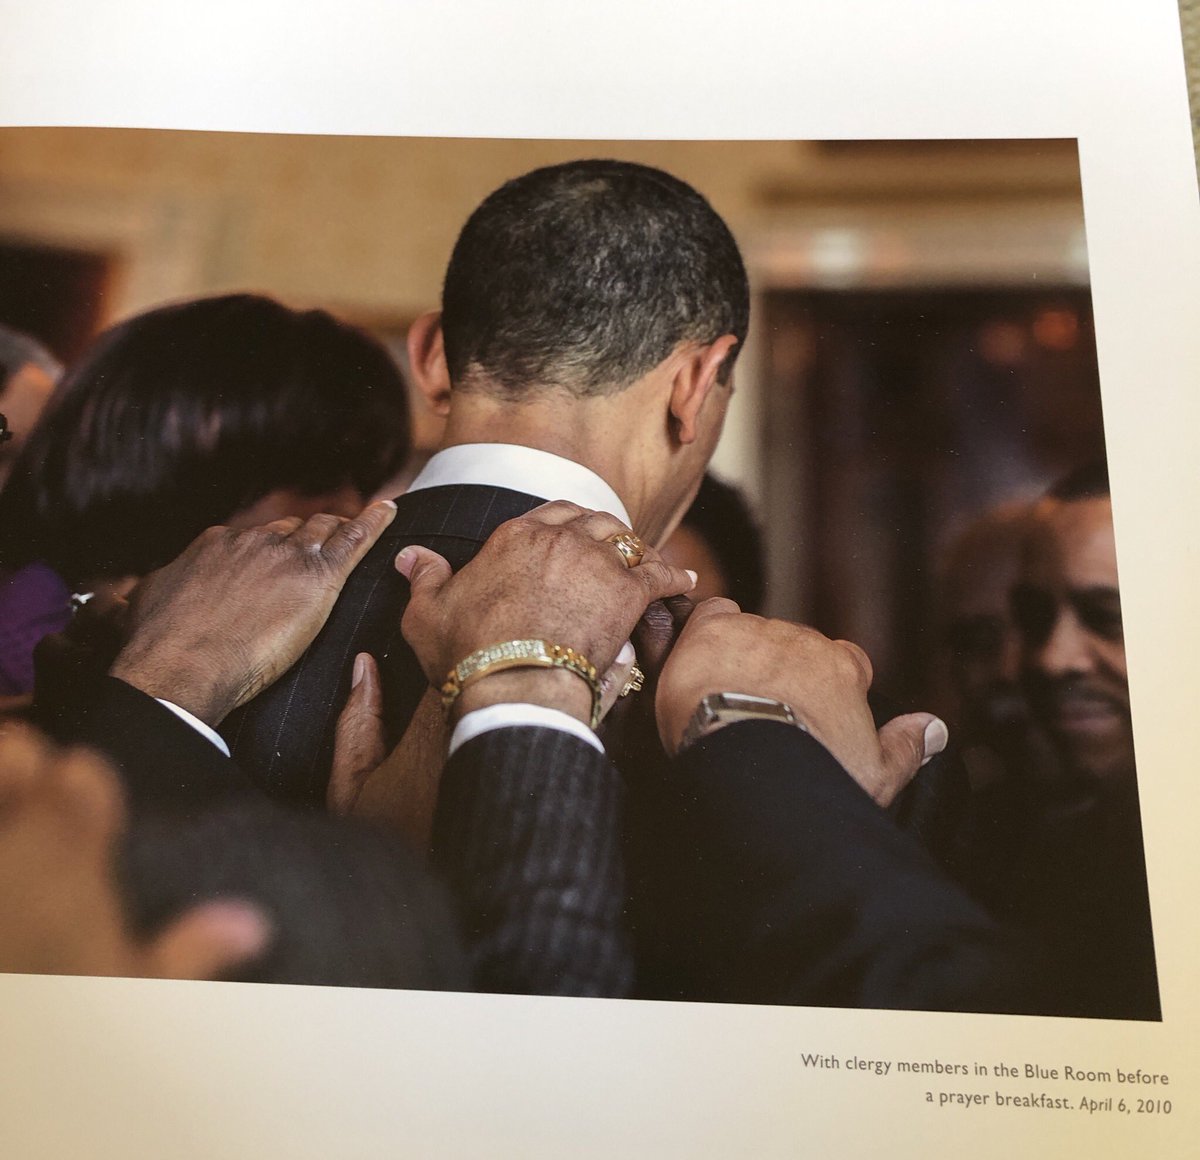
<point x="54" y="294"/>
<point x="893" y="417"/>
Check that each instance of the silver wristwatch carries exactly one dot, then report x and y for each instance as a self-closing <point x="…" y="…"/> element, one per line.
<point x="718" y="709"/>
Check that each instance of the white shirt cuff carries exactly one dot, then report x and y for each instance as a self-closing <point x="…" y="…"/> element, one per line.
<point x="506" y="715"/>
<point x="197" y="724"/>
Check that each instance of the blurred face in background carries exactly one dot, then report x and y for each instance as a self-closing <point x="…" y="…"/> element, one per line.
<point x="983" y="648"/>
<point x="1068" y="610"/>
<point x="285" y="503"/>
<point x="22" y="398"/>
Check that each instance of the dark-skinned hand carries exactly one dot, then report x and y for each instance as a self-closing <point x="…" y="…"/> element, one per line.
<point x="549" y="575"/>
<point x="234" y="612"/>
<point x="723" y="650"/>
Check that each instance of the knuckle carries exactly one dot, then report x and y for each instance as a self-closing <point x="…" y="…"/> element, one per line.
<point x="512" y="528"/>
<point x="352" y="535"/>
<point x="599" y="521"/>
<point x="852" y="663"/>
<point x="652" y="574"/>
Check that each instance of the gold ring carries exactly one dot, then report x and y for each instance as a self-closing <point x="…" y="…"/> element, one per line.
<point x="634" y="685"/>
<point x="631" y="548"/>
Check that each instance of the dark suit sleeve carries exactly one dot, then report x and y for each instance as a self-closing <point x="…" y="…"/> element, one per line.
<point x="526" y="833"/>
<point x="162" y="760"/>
<point x="802" y="890"/>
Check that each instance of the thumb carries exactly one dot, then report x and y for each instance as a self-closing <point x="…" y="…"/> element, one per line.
<point x="358" y="745"/>
<point x="424" y="569"/>
<point x="208" y="941"/>
<point x="907" y="743"/>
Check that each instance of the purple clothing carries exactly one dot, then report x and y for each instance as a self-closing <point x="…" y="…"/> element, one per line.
<point x="34" y="602"/>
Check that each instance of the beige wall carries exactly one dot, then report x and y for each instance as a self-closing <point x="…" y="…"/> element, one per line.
<point x="364" y="225"/>
<point x="367" y="223"/>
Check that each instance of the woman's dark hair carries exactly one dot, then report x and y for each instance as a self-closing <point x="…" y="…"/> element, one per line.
<point x="182" y="416"/>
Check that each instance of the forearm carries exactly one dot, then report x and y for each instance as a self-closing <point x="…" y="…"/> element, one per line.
<point x="526" y="833"/>
<point x="163" y="761"/>
<point x="805" y="891"/>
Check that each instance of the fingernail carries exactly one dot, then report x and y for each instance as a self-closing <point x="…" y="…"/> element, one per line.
<point x="692" y="575"/>
<point x="388" y="503"/>
<point x="360" y="670"/>
<point x="626" y="656"/>
<point x="936" y="738"/>
<point x="404" y="561"/>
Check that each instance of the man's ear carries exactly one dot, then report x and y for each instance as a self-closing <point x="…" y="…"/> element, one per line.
<point x="692" y="381"/>
<point x="427" y="360"/>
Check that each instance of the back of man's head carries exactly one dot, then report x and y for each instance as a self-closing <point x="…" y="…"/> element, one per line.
<point x="348" y="905"/>
<point x="584" y="277"/>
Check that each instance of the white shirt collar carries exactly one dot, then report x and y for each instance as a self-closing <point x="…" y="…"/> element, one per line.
<point x="524" y="469"/>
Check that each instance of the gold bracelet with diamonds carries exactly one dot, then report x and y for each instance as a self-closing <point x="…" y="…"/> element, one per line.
<point x="521" y="654"/>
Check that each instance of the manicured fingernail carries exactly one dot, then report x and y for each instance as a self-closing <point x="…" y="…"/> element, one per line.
<point x="360" y="670"/>
<point x="626" y="656"/>
<point x="692" y="575"/>
<point x="936" y="738"/>
<point x="388" y="503"/>
<point x="405" y="561"/>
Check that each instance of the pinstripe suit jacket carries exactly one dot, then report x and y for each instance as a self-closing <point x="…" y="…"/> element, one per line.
<point x="526" y="834"/>
<point x="283" y="739"/>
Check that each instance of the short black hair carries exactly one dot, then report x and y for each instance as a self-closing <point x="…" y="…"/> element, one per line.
<point x="1087" y="482"/>
<point x="720" y="516"/>
<point x="182" y="416"/>
<point x="585" y="276"/>
<point x="348" y="904"/>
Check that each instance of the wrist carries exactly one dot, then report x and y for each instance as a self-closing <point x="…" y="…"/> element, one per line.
<point x="525" y="661"/>
<point x="548" y="688"/>
<point x="179" y="682"/>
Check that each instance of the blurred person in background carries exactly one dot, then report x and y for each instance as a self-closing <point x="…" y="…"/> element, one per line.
<point x="228" y="410"/>
<point x="427" y="414"/>
<point x="1078" y="878"/>
<point x="979" y="637"/>
<point x="1004" y="753"/>
<point x="719" y="540"/>
<point x="239" y="889"/>
<point x="28" y="372"/>
<point x="62" y="814"/>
